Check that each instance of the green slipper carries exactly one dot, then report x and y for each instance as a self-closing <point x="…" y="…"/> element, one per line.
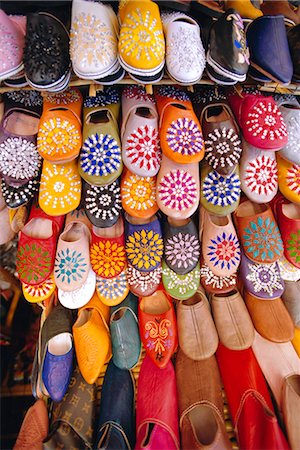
<point x="180" y="287"/>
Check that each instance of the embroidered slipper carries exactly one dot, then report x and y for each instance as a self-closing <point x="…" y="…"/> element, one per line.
<point x="59" y="136"/>
<point x="220" y="244"/>
<point x="158" y="327"/>
<point x="17" y="196"/>
<point x="260" y="120"/>
<point x="288" y="271"/>
<point x="223" y="147"/>
<point x="180" y="132"/>
<point x="258" y="232"/>
<point x="93" y="39"/>
<point x="181" y="245"/>
<point x="7" y="234"/>
<point x="288" y="219"/>
<point x="185" y="55"/>
<point x="140" y="143"/>
<point x="180" y="286"/>
<point x="37" y="246"/>
<point x="39" y="292"/>
<point x="143" y="283"/>
<point x="213" y="283"/>
<point x="72" y="260"/>
<point x="102" y="204"/>
<point x="178" y="189"/>
<point x="219" y="194"/>
<point x="107" y="252"/>
<point x="138" y="195"/>
<point x="60" y="188"/>
<point x="290" y="110"/>
<point x="20" y="161"/>
<point x="100" y="160"/>
<point x="12" y="37"/>
<point x="79" y="297"/>
<point x="258" y="173"/>
<point x="92" y="327"/>
<point x="141" y="42"/>
<point x="289" y="179"/>
<point x="112" y="291"/>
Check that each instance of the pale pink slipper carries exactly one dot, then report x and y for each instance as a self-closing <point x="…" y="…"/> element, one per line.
<point x="12" y="39"/>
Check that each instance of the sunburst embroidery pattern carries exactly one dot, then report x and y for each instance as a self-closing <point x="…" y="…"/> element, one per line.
<point x="178" y="190"/>
<point x="216" y="282"/>
<point x="224" y="251"/>
<point x="265" y="121"/>
<point x="142" y="148"/>
<point x="265" y="277"/>
<point x="108" y="259"/>
<point x="112" y="288"/>
<point x="220" y="190"/>
<point x="185" y="137"/>
<point x="261" y="175"/>
<point x="100" y="155"/>
<point x="144" y="249"/>
<point x="293" y="178"/>
<point x="19" y="159"/>
<point x="181" y="283"/>
<point x="104" y="202"/>
<point x="182" y="250"/>
<point x="58" y="137"/>
<point x="143" y="281"/>
<point x="40" y="291"/>
<point x="138" y="193"/>
<point x="222" y="148"/>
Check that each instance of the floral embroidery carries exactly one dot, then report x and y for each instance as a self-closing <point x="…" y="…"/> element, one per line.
<point x="104" y="202"/>
<point x="265" y="120"/>
<point x="66" y="97"/>
<point x="262" y="239"/>
<point x="33" y="263"/>
<point x="181" y="283"/>
<point x="100" y="155"/>
<point x="216" y="281"/>
<point x="69" y="266"/>
<point x="293" y="178"/>
<point x="178" y="190"/>
<point x="261" y="175"/>
<point x="26" y="98"/>
<point x="144" y="249"/>
<point x="185" y="137"/>
<point x="159" y="336"/>
<point x="112" y="288"/>
<point x="142" y="281"/>
<point x="142" y="148"/>
<point x="19" y="158"/>
<point x="222" y="148"/>
<point x="265" y="277"/>
<point x="173" y="92"/>
<point x="220" y="190"/>
<point x="138" y="93"/>
<point x="224" y="251"/>
<point x="182" y="250"/>
<point x="58" y="137"/>
<point x="40" y="291"/>
<point x="103" y="98"/>
<point x="139" y="193"/>
<point x="293" y="247"/>
<point x="108" y="259"/>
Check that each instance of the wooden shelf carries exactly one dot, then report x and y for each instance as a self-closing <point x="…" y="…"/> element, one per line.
<point x="18" y="390"/>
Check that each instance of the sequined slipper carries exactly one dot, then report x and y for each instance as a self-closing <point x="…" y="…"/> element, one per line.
<point x="179" y="286"/>
<point x="12" y="37"/>
<point x="112" y="291"/>
<point x="143" y="283"/>
<point x="17" y="196"/>
<point x="289" y="179"/>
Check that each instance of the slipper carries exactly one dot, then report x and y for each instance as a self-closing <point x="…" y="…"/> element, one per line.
<point x="180" y="132"/>
<point x="185" y="55"/>
<point x="289" y="179"/>
<point x="213" y="283"/>
<point x="177" y="189"/>
<point x="139" y="133"/>
<point x="34" y="428"/>
<point x="181" y="245"/>
<point x="288" y="271"/>
<point x="39" y="292"/>
<point x="59" y="136"/>
<point x="37" y="246"/>
<point x="79" y="297"/>
<point x="18" y="217"/>
<point x="220" y="244"/>
<point x="143" y="283"/>
<point x="290" y="299"/>
<point x="219" y="194"/>
<point x="143" y="243"/>
<point x="16" y="196"/>
<point x="258" y="232"/>
<point x="258" y="173"/>
<point x="126" y="346"/>
<point x="180" y="286"/>
<point x="93" y="39"/>
<point x="259" y="119"/>
<point x="60" y="188"/>
<point x="102" y="204"/>
<point x="288" y="219"/>
<point x="107" y="252"/>
<point x="141" y="43"/>
<point x="158" y="328"/>
<point x="91" y="327"/>
<point x="7" y="234"/>
<point x="72" y="260"/>
<point x="100" y="160"/>
<point x="290" y="110"/>
<point x="12" y="37"/>
<point x="112" y="291"/>
<point x="138" y="195"/>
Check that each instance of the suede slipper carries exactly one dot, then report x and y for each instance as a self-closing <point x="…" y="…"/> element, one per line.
<point x="177" y="189"/>
<point x="213" y="283"/>
<point x="181" y="245"/>
<point x="79" y="297"/>
<point x="140" y="143"/>
<point x="37" y="246"/>
<point x="289" y="179"/>
<point x="143" y="283"/>
<point x="39" y="292"/>
<point x="17" y="196"/>
<point x="180" y="286"/>
<point x="12" y="37"/>
<point x="112" y="291"/>
<point x="144" y="244"/>
<point x="138" y="195"/>
<point x="288" y="271"/>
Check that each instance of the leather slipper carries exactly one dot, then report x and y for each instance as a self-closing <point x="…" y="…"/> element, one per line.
<point x="79" y="297"/>
<point x="289" y="179"/>
<point x="7" y="234"/>
<point x="112" y="291"/>
<point x="34" y="428"/>
<point x="143" y="283"/>
<point x="12" y="37"/>
<point x="288" y="271"/>
<point x="180" y="286"/>
<point x="290" y="110"/>
<point x="20" y="195"/>
<point x="39" y="292"/>
<point x="214" y="284"/>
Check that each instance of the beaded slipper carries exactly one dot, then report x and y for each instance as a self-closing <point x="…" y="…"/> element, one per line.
<point x="289" y="179"/>
<point x="138" y="195"/>
<point x="180" y="286"/>
<point x="107" y="252"/>
<point x="180" y="132"/>
<point x="213" y="283"/>
<point x="79" y="297"/>
<point x="112" y="291"/>
<point x="219" y="194"/>
<point x="39" y="292"/>
<point x="139" y="133"/>
<point x="288" y="271"/>
<point x="17" y="196"/>
<point x="290" y="110"/>
<point x="59" y="136"/>
<point x="60" y="188"/>
<point x="144" y="243"/>
<point x="178" y="189"/>
<point x="12" y="37"/>
<point x="143" y="283"/>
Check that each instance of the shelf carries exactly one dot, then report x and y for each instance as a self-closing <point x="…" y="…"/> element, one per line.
<point x="18" y="390"/>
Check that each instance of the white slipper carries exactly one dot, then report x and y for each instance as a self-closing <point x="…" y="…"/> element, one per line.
<point x="80" y="297"/>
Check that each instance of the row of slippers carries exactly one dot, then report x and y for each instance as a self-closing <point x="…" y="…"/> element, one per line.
<point x="146" y="42"/>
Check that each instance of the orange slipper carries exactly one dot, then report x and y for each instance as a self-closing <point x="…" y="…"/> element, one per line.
<point x="59" y="136"/>
<point x="289" y="179"/>
<point x="180" y="131"/>
<point x="138" y="195"/>
<point x="39" y="292"/>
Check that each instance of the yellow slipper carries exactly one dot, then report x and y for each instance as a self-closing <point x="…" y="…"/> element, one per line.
<point x="245" y="8"/>
<point x="39" y="292"/>
<point x="288" y="179"/>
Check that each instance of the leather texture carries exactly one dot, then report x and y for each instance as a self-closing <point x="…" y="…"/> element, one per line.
<point x="290" y="297"/>
<point x="288" y="218"/>
<point x="34" y="428"/>
<point x="291" y="409"/>
<point x="57" y="371"/>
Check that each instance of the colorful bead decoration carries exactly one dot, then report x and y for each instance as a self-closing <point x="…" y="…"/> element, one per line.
<point x="100" y="155"/>
<point x="104" y="202"/>
<point x="220" y="190"/>
<point x="262" y="239"/>
<point x="26" y="97"/>
<point x="261" y="175"/>
<point x="182" y="250"/>
<point x="224" y="251"/>
<point x="138" y="193"/>
<point x="185" y="137"/>
<point x="144" y="249"/>
<point x="142" y="148"/>
<point x="266" y="121"/>
<point x="19" y="159"/>
<point x="106" y="97"/>
<point x="178" y="190"/>
<point x="108" y="258"/>
<point x="138" y="93"/>
<point x="33" y="263"/>
<point x="112" y="288"/>
<point x="293" y="178"/>
<point x="142" y="281"/>
<point x="223" y="148"/>
<point x="173" y="92"/>
<point x="265" y="277"/>
<point x="39" y="292"/>
<point x="66" y="97"/>
<point x="58" y="137"/>
<point x="70" y="266"/>
<point x="181" y="283"/>
<point x="293" y="247"/>
<point x="215" y="281"/>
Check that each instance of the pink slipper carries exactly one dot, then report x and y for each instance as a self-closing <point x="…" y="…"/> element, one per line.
<point x="12" y="36"/>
